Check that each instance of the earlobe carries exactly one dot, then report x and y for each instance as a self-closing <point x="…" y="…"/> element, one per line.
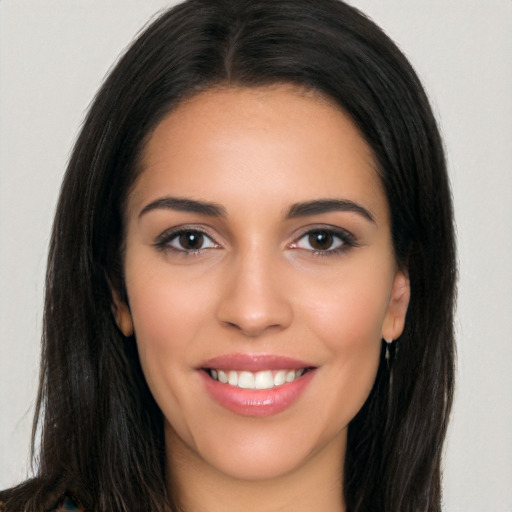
<point x="123" y="316"/>
<point x="394" y="320"/>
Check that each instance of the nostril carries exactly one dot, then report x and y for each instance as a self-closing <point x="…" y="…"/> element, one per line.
<point x="253" y="330"/>
<point x="252" y="310"/>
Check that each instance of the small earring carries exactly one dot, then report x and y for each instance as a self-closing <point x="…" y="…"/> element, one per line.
<point x="388" y="343"/>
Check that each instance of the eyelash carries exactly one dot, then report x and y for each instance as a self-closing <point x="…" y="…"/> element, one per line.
<point x="346" y="240"/>
<point x="163" y="242"/>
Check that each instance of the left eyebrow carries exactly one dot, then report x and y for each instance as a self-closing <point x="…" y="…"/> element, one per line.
<point x="328" y="205"/>
<point x="185" y="205"/>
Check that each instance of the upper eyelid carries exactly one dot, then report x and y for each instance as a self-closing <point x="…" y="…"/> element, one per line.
<point x="185" y="228"/>
<point x="168" y="234"/>
<point x="166" y="241"/>
<point x="337" y="230"/>
<point x="347" y="238"/>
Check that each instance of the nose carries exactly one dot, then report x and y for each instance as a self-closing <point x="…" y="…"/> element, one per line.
<point x="254" y="298"/>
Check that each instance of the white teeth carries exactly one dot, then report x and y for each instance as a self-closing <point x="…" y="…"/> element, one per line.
<point x="265" y="379"/>
<point x="232" y="378"/>
<point x="246" y="380"/>
<point x="280" y="378"/>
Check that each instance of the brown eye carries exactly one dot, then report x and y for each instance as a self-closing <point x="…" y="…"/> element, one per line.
<point x="320" y="240"/>
<point x="186" y="241"/>
<point x="191" y="240"/>
<point x="328" y="241"/>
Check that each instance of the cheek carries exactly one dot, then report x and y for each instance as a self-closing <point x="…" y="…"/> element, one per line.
<point x="166" y="306"/>
<point x="168" y="317"/>
<point x="348" y="312"/>
<point x="348" y="324"/>
<point x="350" y="329"/>
<point x="168" y="313"/>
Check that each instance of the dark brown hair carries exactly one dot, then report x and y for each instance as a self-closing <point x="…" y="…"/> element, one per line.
<point x="101" y="431"/>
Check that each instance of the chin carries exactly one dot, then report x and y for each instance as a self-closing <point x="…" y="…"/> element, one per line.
<point x="251" y="452"/>
<point x="260" y="464"/>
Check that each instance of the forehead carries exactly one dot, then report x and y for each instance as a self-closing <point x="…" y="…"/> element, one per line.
<point x="257" y="143"/>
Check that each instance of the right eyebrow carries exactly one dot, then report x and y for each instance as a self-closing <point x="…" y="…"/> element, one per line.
<point x="319" y="206"/>
<point x="185" y="205"/>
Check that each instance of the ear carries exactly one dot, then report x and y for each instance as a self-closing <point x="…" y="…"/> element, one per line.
<point x="122" y="315"/>
<point x="394" y="321"/>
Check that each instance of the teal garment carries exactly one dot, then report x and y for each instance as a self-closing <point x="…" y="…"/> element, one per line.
<point x="69" y="503"/>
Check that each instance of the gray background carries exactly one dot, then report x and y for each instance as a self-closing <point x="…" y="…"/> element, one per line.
<point x="53" y="56"/>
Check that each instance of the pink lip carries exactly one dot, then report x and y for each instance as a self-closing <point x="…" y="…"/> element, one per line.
<point x="254" y="362"/>
<point x="250" y="402"/>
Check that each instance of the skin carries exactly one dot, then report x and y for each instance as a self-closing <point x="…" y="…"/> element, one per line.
<point x="257" y="286"/>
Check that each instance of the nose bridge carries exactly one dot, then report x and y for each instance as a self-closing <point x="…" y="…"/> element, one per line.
<point x="254" y="298"/>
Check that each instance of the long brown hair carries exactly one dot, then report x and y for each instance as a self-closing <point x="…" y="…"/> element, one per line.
<point x="101" y="431"/>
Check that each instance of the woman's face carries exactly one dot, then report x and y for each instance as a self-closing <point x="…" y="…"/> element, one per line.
<point x="258" y="251"/>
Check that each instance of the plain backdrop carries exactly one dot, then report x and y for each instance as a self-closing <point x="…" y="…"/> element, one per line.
<point x="54" y="55"/>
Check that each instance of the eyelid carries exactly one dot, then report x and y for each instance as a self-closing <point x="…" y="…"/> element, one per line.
<point x="347" y="238"/>
<point x="163" y="239"/>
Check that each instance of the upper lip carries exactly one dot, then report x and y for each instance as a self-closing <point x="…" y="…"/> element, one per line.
<point x="254" y="362"/>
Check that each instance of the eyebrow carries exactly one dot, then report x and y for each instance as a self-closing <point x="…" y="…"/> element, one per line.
<point x="185" y="205"/>
<point x="328" y="205"/>
<point x="303" y="209"/>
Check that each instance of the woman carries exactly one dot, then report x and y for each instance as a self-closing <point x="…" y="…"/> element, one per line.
<point x="251" y="276"/>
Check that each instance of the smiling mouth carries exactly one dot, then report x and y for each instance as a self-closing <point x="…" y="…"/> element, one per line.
<point x="265" y="379"/>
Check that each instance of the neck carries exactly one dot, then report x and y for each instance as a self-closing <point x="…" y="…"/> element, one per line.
<point x="197" y="486"/>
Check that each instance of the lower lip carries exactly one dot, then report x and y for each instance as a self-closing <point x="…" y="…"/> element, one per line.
<point x="252" y="402"/>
